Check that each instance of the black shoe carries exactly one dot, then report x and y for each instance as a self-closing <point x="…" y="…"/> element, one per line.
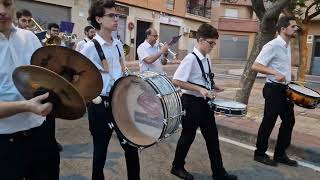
<point x="59" y="146"/>
<point x="265" y="159"/>
<point x="181" y="173"/>
<point x="226" y="176"/>
<point x="285" y="160"/>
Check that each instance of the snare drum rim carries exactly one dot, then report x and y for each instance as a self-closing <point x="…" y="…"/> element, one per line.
<point x="119" y="133"/>
<point x="303" y="93"/>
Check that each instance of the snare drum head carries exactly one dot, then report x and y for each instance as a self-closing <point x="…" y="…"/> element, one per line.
<point x="229" y="104"/>
<point x="137" y="110"/>
<point x="304" y="90"/>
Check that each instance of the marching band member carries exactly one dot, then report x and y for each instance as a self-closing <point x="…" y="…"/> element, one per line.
<point x="275" y="61"/>
<point x="107" y="54"/>
<point x="89" y="32"/>
<point x="24" y="17"/>
<point x="28" y="149"/>
<point x="194" y="77"/>
<point x="151" y="58"/>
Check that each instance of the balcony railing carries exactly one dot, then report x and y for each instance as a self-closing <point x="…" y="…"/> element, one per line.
<point x="199" y="8"/>
<point x="237" y="2"/>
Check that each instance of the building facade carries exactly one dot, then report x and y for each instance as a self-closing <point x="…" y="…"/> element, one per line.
<point x="237" y="25"/>
<point x="168" y="17"/>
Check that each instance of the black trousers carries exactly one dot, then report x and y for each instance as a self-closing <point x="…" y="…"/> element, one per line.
<point x="276" y="104"/>
<point x="30" y="155"/>
<point x="198" y="114"/>
<point x="99" y="117"/>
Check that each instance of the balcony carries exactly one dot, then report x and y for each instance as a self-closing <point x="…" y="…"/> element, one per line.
<point x="237" y="24"/>
<point x="237" y="2"/>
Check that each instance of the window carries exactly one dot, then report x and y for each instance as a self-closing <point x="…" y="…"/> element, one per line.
<point x="233" y="13"/>
<point x="199" y="7"/>
<point x="170" y="4"/>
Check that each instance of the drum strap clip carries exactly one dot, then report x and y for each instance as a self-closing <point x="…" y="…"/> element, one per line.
<point x="123" y="141"/>
<point x="106" y="104"/>
<point x="111" y="126"/>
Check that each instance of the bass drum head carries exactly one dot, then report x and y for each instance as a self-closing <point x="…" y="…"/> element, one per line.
<point x="137" y="111"/>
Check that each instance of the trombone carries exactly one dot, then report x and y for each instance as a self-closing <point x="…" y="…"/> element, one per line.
<point x="172" y="53"/>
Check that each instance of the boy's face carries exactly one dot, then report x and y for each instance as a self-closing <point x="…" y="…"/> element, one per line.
<point x="206" y="45"/>
<point x="109" y="20"/>
<point x="6" y="14"/>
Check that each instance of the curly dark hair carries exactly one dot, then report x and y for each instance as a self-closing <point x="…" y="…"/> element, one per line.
<point x="284" y="22"/>
<point x="97" y="8"/>
<point x="206" y="31"/>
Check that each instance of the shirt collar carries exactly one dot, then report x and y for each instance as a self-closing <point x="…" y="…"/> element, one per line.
<point x="199" y="54"/>
<point x="148" y="45"/>
<point x="102" y="41"/>
<point x="282" y="41"/>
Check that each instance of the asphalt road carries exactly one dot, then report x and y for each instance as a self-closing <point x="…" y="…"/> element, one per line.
<point x="156" y="160"/>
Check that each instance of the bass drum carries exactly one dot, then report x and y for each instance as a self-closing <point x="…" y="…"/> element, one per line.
<point x="146" y="108"/>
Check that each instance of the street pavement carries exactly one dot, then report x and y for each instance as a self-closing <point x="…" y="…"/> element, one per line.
<point x="156" y="160"/>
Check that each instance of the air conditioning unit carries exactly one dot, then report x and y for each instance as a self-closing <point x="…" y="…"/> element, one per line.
<point x="186" y="30"/>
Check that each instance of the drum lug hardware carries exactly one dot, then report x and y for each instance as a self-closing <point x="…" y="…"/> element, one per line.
<point x="165" y="121"/>
<point x="159" y="96"/>
<point x="111" y="126"/>
<point x="166" y="135"/>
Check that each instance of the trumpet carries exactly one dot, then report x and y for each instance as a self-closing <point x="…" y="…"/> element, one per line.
<point x="172" y="53"/>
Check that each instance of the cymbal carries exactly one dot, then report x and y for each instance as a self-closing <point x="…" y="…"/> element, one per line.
<point x="28" y="79"/>
<point x="62" y="60"/>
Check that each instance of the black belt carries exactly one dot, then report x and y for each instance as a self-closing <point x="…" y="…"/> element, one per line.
<point x="17" y="135"/>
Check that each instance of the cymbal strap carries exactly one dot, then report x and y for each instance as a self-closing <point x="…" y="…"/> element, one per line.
<point x="53" y="98"/>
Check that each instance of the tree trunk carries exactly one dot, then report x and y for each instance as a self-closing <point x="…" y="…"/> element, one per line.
<point x="303" y="54"/>
<point x="248" y="77"/>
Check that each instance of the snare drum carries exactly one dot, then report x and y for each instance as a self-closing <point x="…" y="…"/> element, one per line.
<point x="303" y="96"/>
<point x="146" y="108"/>
<point x="228" y="108"/>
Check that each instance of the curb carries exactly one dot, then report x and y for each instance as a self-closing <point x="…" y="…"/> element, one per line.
<point x="305" y="153"/>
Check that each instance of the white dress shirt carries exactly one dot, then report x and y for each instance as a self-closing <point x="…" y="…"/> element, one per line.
<point x="14" y="52"/>
<point x="144" y="50"/>
<point x="81" y="43"/>
<point x="190" y="71"/>
<point x="112" y="55"/>
<point x="276" y="54"/>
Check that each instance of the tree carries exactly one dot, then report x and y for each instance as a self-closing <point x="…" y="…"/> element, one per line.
<point x="268" y="18"/>
<point x="304" y="11"/>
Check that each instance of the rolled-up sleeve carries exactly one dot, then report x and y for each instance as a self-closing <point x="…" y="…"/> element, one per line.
<point x="266" y="55"/>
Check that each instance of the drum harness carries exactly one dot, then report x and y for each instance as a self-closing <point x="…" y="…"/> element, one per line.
<point x="102" y="57"/>
<point x="211" y="75"/>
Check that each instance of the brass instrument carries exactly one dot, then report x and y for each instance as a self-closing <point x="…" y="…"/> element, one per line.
<point x="172" y="53"/>
<point x="126" y="49"/>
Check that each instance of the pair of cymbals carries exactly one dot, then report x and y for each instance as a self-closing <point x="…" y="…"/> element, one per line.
<point x="67" y="73"/>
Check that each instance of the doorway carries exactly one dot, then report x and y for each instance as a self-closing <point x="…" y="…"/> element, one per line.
<point x="142" y="26"/>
